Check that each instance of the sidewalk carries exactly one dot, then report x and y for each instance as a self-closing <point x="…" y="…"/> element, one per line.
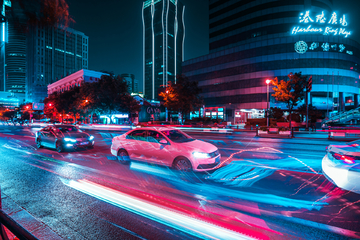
<point x="36" y="227"/>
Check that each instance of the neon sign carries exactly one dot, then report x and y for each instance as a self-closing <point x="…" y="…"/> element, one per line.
<point x="331" y="28"/>
<point x="302" y="47"/>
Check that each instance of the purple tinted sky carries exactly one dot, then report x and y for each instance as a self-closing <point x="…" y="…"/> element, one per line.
<point x="115" y="30"/>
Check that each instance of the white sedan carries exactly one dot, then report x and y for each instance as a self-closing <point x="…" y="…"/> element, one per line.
<point x="341" y="165"/>
<point x="165" y="146"/>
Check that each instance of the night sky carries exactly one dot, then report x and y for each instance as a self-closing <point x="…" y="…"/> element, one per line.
<point x="115" y="30"/>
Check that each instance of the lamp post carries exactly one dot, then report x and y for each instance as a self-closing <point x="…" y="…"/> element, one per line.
<point x="268" y="81"/>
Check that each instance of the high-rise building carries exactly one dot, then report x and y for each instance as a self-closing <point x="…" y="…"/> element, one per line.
<point x="252" y="41"/>
<point x="32" y="59"/>
<point x="133" y="84"/>
<point x="52" y="54"/>
<point x="13" y="51"/>
<point x="164" y="34"/>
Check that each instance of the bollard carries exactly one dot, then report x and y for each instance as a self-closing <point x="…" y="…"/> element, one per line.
<point x="257" y="132"/>
<point x="292" y="132"/>
<point x="329" y="135"/>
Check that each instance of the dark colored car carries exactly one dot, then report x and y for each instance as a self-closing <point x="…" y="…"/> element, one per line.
<point x="63" y="137"/>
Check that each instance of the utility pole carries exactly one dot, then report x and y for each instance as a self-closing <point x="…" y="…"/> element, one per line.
<point x="308" y="89"/>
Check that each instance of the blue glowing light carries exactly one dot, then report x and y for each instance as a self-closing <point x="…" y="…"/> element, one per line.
<point x="333" y="19"/>
<point x="325" y="47"/>
<point x="314" y="45"/>
<point x="305" y="18"/>
<point x="321" y="19"/>
<point x="342" y="47"/>
<point x="343" y="21"/>
<point x="301" y="47"/>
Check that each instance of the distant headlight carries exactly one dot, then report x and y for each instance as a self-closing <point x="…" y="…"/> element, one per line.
<point x="201" y="155"/>
<point x="69" y="140"/>
<point x="91" y="137"/>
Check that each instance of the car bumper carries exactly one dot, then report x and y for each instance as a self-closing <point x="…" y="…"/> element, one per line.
<point x="79" y="144"/>
<point x="207" y="164"/>
<point x="343" y="176"/>
<point x="113" y="152"/>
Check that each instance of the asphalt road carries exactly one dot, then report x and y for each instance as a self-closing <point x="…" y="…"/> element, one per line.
<point x="265" y="189"/>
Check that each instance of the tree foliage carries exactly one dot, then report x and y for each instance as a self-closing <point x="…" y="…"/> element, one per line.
<point x="182" y="96"/>
<point x="43" y="13"/>
<point x="106" y="96"/>
<point x="314" y="113"/>
<point x="290" y="92"/>
<point x="276" y="113"/>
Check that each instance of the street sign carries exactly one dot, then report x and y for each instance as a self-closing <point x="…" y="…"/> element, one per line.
<point x="38" y="106"/>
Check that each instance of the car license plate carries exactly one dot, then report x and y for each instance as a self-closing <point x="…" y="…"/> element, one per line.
<point x="84" y="143"/>
<point x="217" y="160"/>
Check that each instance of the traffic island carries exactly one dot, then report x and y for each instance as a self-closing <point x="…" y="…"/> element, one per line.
<point x="274" y="132"/>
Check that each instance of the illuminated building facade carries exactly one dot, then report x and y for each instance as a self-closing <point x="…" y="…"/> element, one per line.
<point x="52" y="54"/>
<point x="31" y="60"/>
<point x="75" y="79"/>
<point x="251" y="41"/>
<point x="13" y="52"/>
<point x="163" y="33"/>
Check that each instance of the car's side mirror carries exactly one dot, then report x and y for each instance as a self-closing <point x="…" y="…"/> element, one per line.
<point x="163" y="141"/>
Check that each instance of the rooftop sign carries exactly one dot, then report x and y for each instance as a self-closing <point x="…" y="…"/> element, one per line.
<point x="334" y="25"/>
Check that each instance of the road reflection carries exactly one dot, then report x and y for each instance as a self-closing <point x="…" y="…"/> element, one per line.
<point x="245" y="198"/>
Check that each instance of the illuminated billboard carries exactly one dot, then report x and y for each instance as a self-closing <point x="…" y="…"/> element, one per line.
<point x="38" y="106"/>
<point x="321" y="24"/>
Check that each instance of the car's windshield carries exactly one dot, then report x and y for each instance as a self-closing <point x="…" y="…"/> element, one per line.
<point x="66" y="129"/>
<point x="177" y="136"/>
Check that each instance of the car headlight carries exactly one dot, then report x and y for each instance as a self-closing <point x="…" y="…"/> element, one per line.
<point x="201" y="155"/>
<point x="69" y="140"/>
<point x="91" y="137"/>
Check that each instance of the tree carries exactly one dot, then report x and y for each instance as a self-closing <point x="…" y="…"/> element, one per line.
<point x="68" y="101"/>
<point x="290" y="92"/>
<point x="50" y="108"/>
<point x="43" y="13"/>
<point x="182" y="96"/>
<point x="104" y="96"/>
<point x="276" y="113"/>
<point x="314" y="113"/>
<point x="130" y="105"/>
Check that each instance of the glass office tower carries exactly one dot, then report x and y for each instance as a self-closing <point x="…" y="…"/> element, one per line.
<point x="164" y="34"/>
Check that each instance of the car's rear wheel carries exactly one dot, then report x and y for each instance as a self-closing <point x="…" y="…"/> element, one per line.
<point x="123" y="157"/>
<point x="38" y="143"/>
<point x="59" y="147"/>
<point x="182" y="164"/>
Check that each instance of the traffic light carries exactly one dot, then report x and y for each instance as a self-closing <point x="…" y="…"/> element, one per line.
<point x="309" y="85"/>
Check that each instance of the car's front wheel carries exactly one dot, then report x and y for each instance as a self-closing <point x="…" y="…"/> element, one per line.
<point x="38" y="143"/>
<point x="59" y="147"/>
<point x="182" y="164"/>
<point x="123" y="157"/>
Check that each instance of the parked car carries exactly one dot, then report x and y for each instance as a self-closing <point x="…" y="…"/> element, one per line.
<point x="341" y="165"/>
<point x="63" y="137"/>
<point x="165" y="146"/>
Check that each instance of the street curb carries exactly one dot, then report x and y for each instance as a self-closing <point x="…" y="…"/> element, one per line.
<point x="36" y="227"/>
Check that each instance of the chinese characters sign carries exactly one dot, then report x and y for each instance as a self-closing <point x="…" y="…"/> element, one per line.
<point x="327" y="25"/>
<point x="302" y="47"/>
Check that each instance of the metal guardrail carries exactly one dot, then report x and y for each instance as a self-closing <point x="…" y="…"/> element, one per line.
<point x="344" y="116"/>
<point x="19" y="231"/>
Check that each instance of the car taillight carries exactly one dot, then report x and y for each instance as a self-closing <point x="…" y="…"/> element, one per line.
<point x="355" y="145"/>
<point x="345" y="158"/>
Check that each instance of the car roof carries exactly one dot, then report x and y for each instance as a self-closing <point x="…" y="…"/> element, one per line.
<point x="156" y="128"/>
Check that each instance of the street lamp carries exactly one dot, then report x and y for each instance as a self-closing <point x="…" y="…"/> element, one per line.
<point x="268" y="81"/>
